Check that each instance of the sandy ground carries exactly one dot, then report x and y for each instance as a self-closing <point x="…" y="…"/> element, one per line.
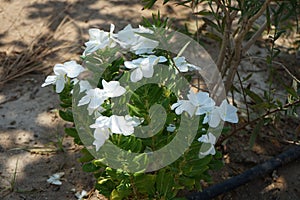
<point x="33" y="145"/>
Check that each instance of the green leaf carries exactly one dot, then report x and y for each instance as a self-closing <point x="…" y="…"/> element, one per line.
<point x="120" y="192"/>
<point x="105" y="186"/>
<point x="203" y="13"/>
<point x="218" y="155"/>
<point x="247" y="77"/>
<point x="276" y="52"/>
<point x="89" y="167"/>
<point x="257" y="99"/>
<point x="73" y="133"/>
<point x="66" y="115"/>
<point x="165" y="184"/>
<point x="134" y="110"/>
<point x="148" y="4"/>
<point x="188" y="182"/>
<point x="115" y="195"/>
<point x="216" y="164"/>
<point x="255" y="133"/>
<point x="291" y="91"/>
<point x="213" y="36"/>
<point x="195" y="171"/>
<point x="87" y="156"/>
<point x="111" y="173"/>
<point x="144" y="183"/>
<point x="211" y="24"/>
<point x="278" y="34"/>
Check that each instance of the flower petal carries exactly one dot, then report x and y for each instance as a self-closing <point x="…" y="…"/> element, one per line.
<point x="184" y="105"/>
<point x="84" y="86"/>
<point x="98" y="97"/>
<point x="60" y="83"/>
<point x="147" y="71"/>
<point x="59" y="69"/>
<point x="214" y="118"/>
<point x="113" y="88"/>
<point x="101" y="122"/>
<point x="130" y="65"/>
<point x="228" y="112"/>
<point x="100" y="135"/>
<point x="136" y="75"/>
<point x="49" y="80"/>
<point x="171" y="128"/>
<point x="120" y="125"/>
<point x="84" y="100"/>
<point x="73" y="69"/>
<point x="211" y="151"/>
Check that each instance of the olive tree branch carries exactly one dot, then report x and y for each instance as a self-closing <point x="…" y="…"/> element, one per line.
<point x="238" y="51"/>
<point x="253" y="39"/>
<point x="226" y="37"/>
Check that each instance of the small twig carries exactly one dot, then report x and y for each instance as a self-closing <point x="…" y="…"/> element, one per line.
<point x="255" y="120"/>
<point x="8" y="100"/>
<point x="281" y="65"/>
<point x="244" y="96"/>
<point x="14" y="178"/>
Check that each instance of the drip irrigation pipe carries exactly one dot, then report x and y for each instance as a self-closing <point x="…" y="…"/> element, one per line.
<point x="257" y="171"/>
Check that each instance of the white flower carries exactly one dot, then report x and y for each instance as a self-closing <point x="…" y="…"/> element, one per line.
<point x="113" y="88"/>
<point x="143" y="67"/>
<point x="117" y="124"/>
<point x="101" y="122"/>
<point x="208" y="139"/>
<point x="55" y="178"/>
<point x="225" y="112"/>
<point x="95" y="98"/>
<point x="199" y="103"/>
<point x="183" y="65"/>
<point x="99" y="39"/>
<point x="228" y="112"/>
<point x="70" y="69"/>
<point x="171" y="128"/>
<point x="84" y="86"/>
<point x="81" y="195"/>
<point x="184" y="105"/>
<point x="212" y="118"/>
<point x="202" y="101"/>
<point x="134" y="121"/>
<point x="97" y="111"/>
<point x="144" y="46"/>
<point x="100" y="135"/>
<point x="129" y="38"/>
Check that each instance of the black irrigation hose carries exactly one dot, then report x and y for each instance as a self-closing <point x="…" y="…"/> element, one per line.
<point x="259" y="170"/>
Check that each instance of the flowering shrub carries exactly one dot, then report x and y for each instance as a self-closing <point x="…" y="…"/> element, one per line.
<point x="147" y="133"/>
